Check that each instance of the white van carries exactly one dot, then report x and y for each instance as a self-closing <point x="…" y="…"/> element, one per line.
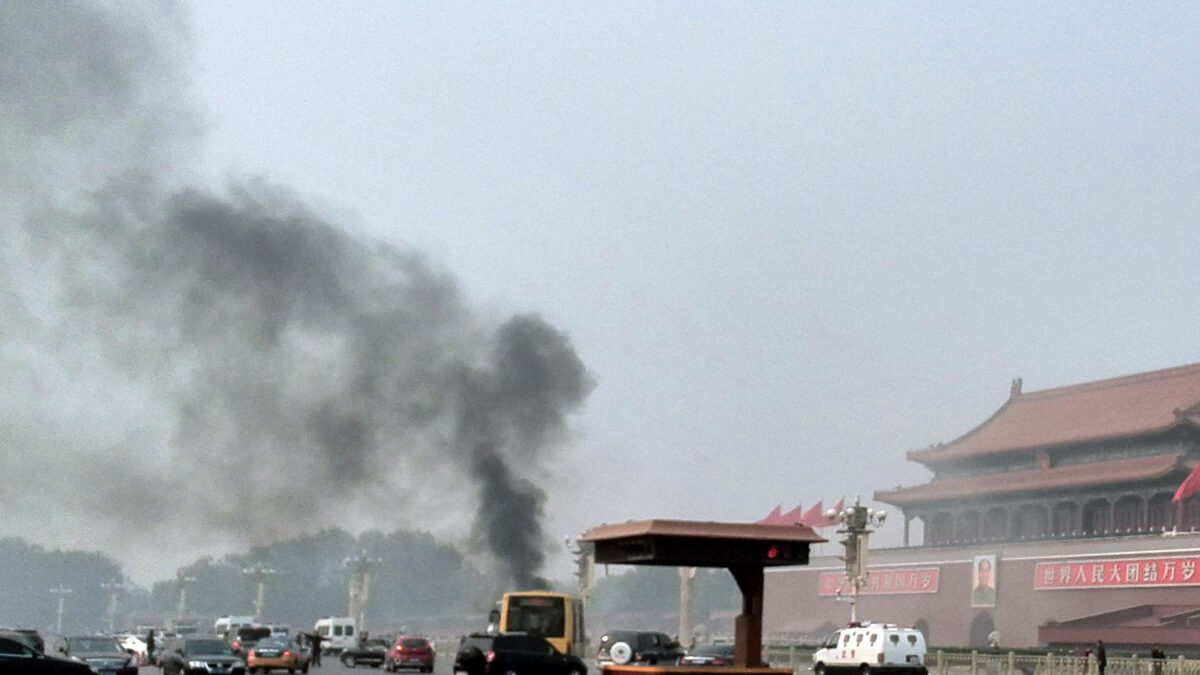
<point x="872" y="648"/>
<point x="338" y="632"/>
<point x="227" y="625"/>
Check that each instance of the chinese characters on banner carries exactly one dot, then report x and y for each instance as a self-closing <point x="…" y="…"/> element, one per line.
<point x="1118" y="573"/>
<point x="883" y="582"/>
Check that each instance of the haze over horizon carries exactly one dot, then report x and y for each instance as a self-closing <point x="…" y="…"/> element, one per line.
<point x="765" y="249"/>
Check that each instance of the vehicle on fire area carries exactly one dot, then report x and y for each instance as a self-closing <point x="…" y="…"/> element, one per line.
<point x="558" y="617"/>
<point x="870" y="648"/>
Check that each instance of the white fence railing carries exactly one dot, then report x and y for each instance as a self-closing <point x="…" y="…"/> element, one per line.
<point x="799" y="660"/>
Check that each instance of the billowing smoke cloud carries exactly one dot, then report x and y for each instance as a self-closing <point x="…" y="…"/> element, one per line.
<point x="232" y="365"/>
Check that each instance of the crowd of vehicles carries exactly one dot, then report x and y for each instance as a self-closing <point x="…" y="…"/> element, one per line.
<point x="529" y="632"/>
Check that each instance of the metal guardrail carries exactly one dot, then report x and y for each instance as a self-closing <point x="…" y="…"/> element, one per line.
<point x="799" y="660"/>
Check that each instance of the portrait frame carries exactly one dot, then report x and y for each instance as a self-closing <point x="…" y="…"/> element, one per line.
<point x="983" y="580"/>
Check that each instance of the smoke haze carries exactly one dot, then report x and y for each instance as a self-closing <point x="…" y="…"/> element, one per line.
<point x="185" y="366"/>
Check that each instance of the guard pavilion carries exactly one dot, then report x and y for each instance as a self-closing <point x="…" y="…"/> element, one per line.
<point x="744" y="549"/>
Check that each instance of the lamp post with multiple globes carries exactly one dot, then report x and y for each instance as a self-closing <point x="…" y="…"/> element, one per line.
<point x="856" y="523"/>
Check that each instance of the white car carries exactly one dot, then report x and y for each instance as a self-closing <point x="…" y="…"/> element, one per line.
<point x="872" y="648"/>
<point x="134" y="645"/>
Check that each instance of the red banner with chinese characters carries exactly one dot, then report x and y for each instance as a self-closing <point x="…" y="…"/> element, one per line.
<point x="1126" y="573"/>
<point x="883" y="582"/>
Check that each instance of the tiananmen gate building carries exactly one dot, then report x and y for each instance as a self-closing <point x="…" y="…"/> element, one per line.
<point x="1052" y="522"/>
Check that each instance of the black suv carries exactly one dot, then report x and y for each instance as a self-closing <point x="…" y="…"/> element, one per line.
<point x="201" y="655"/>
<point x="498" y="654"/>
<point x="638" y="646"/>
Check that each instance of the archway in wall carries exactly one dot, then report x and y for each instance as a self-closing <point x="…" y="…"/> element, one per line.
<point x="981" y="625"/>
<point x="923" y="626"/>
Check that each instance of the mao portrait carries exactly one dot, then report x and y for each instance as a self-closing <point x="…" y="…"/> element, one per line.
<point x="983" y="581"/>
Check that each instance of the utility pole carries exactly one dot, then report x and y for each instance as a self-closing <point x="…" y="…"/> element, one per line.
<point x="181" y="609"/>
<point x="360" y="586"/>
<point x="260" y="574"/>
<point x="114" y="589"/>
<point x="62" y="592"/>
<point x="856" y="522"/>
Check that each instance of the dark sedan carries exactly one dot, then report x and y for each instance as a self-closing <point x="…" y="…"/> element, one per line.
<point x="18" y="657"/>
<point x="201" y="655"/>
<point x="366" y="653"/>
<point x="709" y="655"/>
<point x="104" y="654"/>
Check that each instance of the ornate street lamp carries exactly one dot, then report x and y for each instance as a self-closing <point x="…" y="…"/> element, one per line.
<point x="857" y="521"/>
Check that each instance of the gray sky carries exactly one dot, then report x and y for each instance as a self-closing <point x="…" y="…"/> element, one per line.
<point x="789" y="241"/>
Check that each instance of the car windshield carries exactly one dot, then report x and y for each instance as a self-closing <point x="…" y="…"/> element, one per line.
<point x="97" y="645"/>
<point x="274" y="642"/>
<point x="252" y="634"/>
<point x="536" y="615"/>
<point x="480" y="642"/>
<point x="213" y="646"/>
<point x="414" y="643"/>
<point x="714" y="650"/>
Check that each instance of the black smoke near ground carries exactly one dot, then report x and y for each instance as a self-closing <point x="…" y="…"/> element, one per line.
<point x="233" y="366"/>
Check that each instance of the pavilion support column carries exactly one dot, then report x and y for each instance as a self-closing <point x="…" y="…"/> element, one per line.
<point x="907" y="518"/>
<point x="747" y="640"/>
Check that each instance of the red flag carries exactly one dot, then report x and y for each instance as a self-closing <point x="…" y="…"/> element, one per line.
<point x="772" y="517"/>
<point x="1189" y="486"/>
<point x="812" y="517"/>
<point x="792" y="517"/>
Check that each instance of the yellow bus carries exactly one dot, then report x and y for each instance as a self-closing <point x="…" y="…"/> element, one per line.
<point x="558" y="617"/>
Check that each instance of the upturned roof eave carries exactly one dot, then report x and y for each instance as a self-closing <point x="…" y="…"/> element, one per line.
<point x="898" y="498"/>
<point x="947" y="458"/>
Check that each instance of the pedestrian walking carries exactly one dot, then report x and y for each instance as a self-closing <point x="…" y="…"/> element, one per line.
<point x="1101" y="657"/>
<point x="315" y="639"/>
<point x="150" y="647"/>
<point x="1158" y="657"/>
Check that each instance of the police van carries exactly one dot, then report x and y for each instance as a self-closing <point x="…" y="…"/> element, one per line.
<point x="869" y="648"/>
<point x="338" y="633"/>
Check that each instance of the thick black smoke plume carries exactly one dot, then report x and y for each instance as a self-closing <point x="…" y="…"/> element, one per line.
<point x="231" y="366"/>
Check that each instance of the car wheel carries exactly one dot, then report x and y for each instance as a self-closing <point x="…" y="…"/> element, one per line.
<point x="348" y="661"/>
<point x="819" y="669"/>
<point x="864" y="670"/>
<point x="620" y="653"/>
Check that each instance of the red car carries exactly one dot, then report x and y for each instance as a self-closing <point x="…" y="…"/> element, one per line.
<point x="409" y="652"/>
